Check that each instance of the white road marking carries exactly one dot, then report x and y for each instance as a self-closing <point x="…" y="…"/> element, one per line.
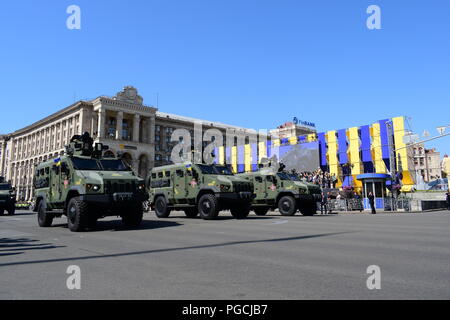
<point x="280" y="222"/>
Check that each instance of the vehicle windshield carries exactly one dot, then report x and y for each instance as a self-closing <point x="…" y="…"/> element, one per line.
<point x="224" y="170"/>
<point x="86" y="164"/>
<point x="207" y="169"/>
<point x="114" y="165"/>
<point x="283" y="176"/>
<point x="294" y="177"/>
<point x="5" y="186"/>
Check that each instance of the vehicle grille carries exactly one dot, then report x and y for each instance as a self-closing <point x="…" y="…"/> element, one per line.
<point x="242" y="187"/>
<point x="115" y="187"/>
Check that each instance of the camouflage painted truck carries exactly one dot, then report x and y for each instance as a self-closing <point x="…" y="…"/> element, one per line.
<point x="277" y="189"/>
<point x="199" y="189"/>
<point x="85" y="187"/>
<point x="7" y="197"/>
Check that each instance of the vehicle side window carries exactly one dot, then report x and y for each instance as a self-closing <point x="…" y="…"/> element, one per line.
<point x="180" y="173"/>
<point x="47" y="170"/>
<point x="160" y="174"/>
<point x="259" y="179"/>
<point x="41" y="172"/>
<point x="37" y="173"/>
<point x="153" y="175"/>
<point x="167" y="174"/>
<point x="189" y="173"/>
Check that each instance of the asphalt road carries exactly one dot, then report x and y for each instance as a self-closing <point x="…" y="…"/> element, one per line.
<point x="271" y="257"/>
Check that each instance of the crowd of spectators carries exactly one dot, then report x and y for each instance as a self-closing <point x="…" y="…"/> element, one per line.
<point x="319" y="177"/>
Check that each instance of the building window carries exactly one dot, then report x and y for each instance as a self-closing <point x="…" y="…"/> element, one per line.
<point x="158" y="128"/>
<point x="157" y="138"/>
<point x="157" y="147"/>
<point x="157" y="157"/>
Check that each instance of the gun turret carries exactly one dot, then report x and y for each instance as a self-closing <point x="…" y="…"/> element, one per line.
<point x="83" y="145"/>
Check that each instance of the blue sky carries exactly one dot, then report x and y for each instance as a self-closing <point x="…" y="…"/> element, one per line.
<point x="251" y="63"/>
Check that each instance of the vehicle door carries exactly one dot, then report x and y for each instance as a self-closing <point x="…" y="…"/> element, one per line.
<point x="272" y="184"/>
<point x="192" y="182"/>
<point x="260" y="187"/>
<point x="179" y="185"/>
<point x="65" y="179"/>
<point x="55" y="184"/>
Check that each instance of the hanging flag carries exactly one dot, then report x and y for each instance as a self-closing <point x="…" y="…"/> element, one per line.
<point x="57" y="161"/>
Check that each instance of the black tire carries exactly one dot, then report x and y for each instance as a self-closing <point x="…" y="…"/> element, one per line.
<point x="92" y="221"/>
<point x="261" y="211"/>
<point x="241" y="212"/>
<point x="12" y="210"/>
<point x="45" y="219"/>
<point x="309" y="210"/>
<point x="208" y="207"/>
<point x="134" y="218"/>
<point x="191" y="212"/>
<point x="161" y="208"/>
<point x="287" y="206"/>
<point x="77" y="215"/>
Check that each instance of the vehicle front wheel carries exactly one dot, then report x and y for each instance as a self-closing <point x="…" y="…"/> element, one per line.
<point x="287" y="206"/>
<point x="309" y="210"/>
<point x="208" y="206"/>
<point x="12" y="210"/>
<point x="77" y="215"/>
<point x="161" y="208"/>
<point x="191" y="212"/>
<point x="240" y="212"/>
<point x="261" y="211"/>
<point x="134" y="218"/>
<point x="45" y="219"/>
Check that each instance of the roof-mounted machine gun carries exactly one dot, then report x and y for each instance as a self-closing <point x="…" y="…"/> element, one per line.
<point x="83" y="145"/>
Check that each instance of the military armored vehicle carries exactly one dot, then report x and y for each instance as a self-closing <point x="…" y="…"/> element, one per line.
<point x="198" y="189"/>
<point x="276" y="188"/>
<point x="7" y="197"/>
<point x="85" y="187"/>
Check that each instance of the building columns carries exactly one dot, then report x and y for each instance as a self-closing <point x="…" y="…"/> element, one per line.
<point x="119" y="125"/>
<point x="151" y="129"/>
<point x="101" y="123"/>
<point x="136" y="128"/>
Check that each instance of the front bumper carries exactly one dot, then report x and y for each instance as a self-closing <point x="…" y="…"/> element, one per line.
<point x="113" y="200"/>
<point x="236" y="196"/>
<point x="308" y="197"/>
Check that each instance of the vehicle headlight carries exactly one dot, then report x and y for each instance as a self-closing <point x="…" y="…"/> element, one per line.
<point x="302" y="191"/>
<point x="141" y="187"/>
<point x="93" y="187"/>
<point x="224" y="187"/>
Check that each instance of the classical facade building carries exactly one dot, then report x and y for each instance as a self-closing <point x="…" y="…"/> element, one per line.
<point x="427" y="162"/>
<point x="137" y="133"/>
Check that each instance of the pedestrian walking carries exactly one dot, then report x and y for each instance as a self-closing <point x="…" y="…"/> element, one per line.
<point x="372" y="202"/>
<point x="329" y="204"/>
<point x="323" y="203"/>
